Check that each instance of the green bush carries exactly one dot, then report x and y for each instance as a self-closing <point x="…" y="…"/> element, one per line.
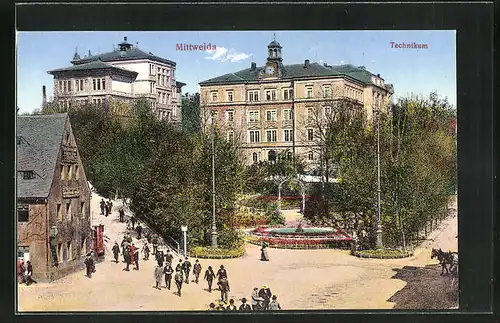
<point x="217" y="253"/>
<point x="274" y="216"/>
<point x="383" y="254"/>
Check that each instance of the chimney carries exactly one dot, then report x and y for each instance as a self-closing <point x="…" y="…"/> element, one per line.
<point x="378" y="75"/>
<point x="44" y="95"/>
<point x="253" y="66"/>
<point x="125" y="39"/>
<point x="306" y="63"/>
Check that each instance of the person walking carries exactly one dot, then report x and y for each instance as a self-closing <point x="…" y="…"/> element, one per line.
<point x="221" y="273"/>
<point x="186" y="268"/>
<point x="231" y="306"/>
<point x="179" y="266"/>
<point x="145" y="249"/>
<point x="159" y="256"/>
<point x="108" y="208"/>
<point x="124" y="245"/>
<point x="168" y="271"/>
<point x="178" y="282"/>
<point x="209" y="277"/>
<point x="244" y="307"/>
<point x="132" y="253"/>
<point x="102" y="204"/>
<point x="132" y="220"/>
<point x="89" y="264"/>
<point x="136" y="258"/>
<point x="122" y="215"/>
<point x="196" y="271"/>
<point x="224" y="289"/>
<point x="138" y="229"/>
<point x="256" y="300"/>
<point x="158" y="272"/>
<point x="126" y="255"/>
<point x="274" y="305"/>
<point x="263" y="253"/>
<point x="265" y="293"/>
<point x="29" y="274"/>
<point x="154" y="240"/>
<point x="116" y="251"/>
<point x="20" y="271"/>
<point x="169" y="257"/>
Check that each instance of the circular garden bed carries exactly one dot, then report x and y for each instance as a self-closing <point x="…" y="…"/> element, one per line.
<point x="383" y="254"/>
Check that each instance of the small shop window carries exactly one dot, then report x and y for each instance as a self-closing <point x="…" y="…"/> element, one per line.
<point x="22" y="213"/>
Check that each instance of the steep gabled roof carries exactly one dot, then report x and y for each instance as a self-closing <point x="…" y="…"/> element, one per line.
<point x="40" y="138"/>
<point x="94" y="65"/>
<point x="132" y="53"/>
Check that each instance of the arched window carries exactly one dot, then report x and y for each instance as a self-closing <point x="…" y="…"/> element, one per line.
<point x="271" y="156"/>
<point x="254" y="157"/>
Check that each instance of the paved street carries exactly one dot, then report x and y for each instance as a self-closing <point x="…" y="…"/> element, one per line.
<point x="302" y="279"/>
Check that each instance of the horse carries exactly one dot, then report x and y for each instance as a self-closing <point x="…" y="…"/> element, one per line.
<point x="444" y="258"/>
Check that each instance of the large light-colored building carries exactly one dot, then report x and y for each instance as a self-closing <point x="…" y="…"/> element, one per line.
<point x="123" y="75"/>
<point x="257" y="105"/>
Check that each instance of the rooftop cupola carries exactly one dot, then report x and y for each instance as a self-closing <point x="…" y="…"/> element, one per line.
<point x="76" y="56"/>
<point x="274" y="51"/>
<point x="124" y="46"/>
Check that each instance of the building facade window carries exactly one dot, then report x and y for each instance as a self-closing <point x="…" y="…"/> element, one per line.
<point x="270" y="95"/>
<point x="327" y="91"/>
<point x="287" y="94"/>
<point x="288" y="134"/>
<point x="287" y="114"/>
<point x="310" y="113"/>
<point x="82" y="209"/>
<point x="230" y="136"/>
<point x="309" y="92"/>
<point x="310" y="156"/>
<point x="99" y="84"/>
<point x="22" y="213"/>
<point x="151" y="69"/>
<point x="68" y="211"/>
<point x="253" y="116"/>
<point x="253" y="95"/>
<point x="254" y="135"/>
<point x="229" y="96"/>
<point x="79" y="85"/>
<point x="310" y="134"/>
<point x="271" y="135"/>
<point x="328" y="111"/>
<point x="214" y="97"/>
<point x="59" y="212"/>
<point x="270" y="115"/>
<point x="63" y="172"/>
<point x="230" y="115"/>
<point x="254" y="157"/>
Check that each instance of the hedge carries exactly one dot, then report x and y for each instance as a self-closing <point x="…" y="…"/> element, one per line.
<point x="218" y="253"/>
<point x="383" y="254"/>
<point x="337" y="244"/>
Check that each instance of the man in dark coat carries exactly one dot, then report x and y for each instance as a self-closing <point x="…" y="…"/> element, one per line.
<point x="102" y="204"/>
<point x="221" y="273"/>
<point x="169" y="257"/>
<point x="160" y="258"/>
<point x="265" y="293"/>
<point x="89" y="264"/>
<point x="122" y="215"/>
<point x="179" y="266"/>
<point x="168" y="271"/>
<point x="196" y="271"/>
<point x="145" y="249"/>
<point x="154" y="241"/>
<point x="231" y="306"/>
<point x="209" y="277"/>
<point x="138" y="229"/>
<point x="178" y="281"/>
<point x="136" y="258"/>
<point x="126" y="254"/>
<point x="132" y="220"/>
<point x="256" y="300"/>
<point x="244" y="307"/>
<point x="29" y="274"/>
<point x="116" y="251"/>
<point x="224" y="289"/>
<point x="186" y="268"/>
<point x="124" y="245"/>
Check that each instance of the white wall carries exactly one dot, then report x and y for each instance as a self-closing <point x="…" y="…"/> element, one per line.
<point x="121" y="86"/>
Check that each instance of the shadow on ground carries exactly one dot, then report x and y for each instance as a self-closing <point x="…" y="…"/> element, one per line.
<point x="425" y="289"/>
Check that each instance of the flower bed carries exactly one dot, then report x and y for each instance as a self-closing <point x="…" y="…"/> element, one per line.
<point x="302" y="244"/>
<point x="383" y="254"/>
<point x="216" y="253"/>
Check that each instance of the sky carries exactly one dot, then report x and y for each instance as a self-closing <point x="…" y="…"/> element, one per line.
<point x="411" y="71"/>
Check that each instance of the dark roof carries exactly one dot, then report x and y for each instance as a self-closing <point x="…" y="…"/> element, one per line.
<point x="133" y="53"/>
<point x="274" y="44"/>
<point x="179" y="84"/>
<point x="295" y="71"/>
<point x="41" y="138"/>
<point x="94" y="65"/>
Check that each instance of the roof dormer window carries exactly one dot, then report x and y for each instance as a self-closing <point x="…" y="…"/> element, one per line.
<point x="28" y="174"/>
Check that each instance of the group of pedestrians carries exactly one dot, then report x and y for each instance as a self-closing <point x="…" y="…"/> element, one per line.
<point x="25" y="272"/>
<point x="106" y="207"/>
<point x="130" y="252"/>
<point x="264" y="300"/>
<point x="182" y="271"/>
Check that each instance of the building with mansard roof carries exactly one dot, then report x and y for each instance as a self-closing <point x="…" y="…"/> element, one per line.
<point x="123" y="75"/>
<point x="269" y="108"/>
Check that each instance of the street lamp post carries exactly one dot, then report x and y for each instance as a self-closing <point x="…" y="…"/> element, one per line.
<point x="184" y="229"/>
<point x="214" y="227"/>
<point x="379" y="223"/>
